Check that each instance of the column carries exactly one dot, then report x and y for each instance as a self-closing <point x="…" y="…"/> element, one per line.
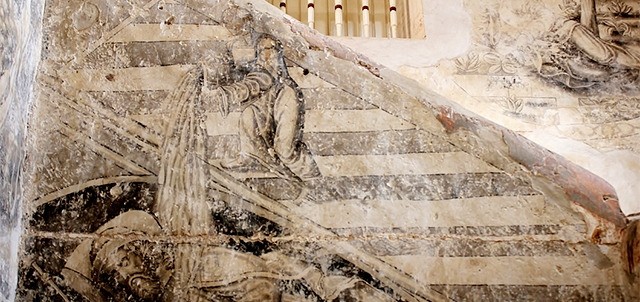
<point x="283" y="6"/>
<point x="311" y="13"/>
<point x="365" y="18"/>
<point x="338" y="14"/>
<point x="393" y="18"/>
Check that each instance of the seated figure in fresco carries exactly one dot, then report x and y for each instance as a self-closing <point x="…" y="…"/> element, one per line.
<point x="270" y="134"/>
<point x="578" y="56"/>
<point x="272" y="115"/>
<point x="126" y="262"/>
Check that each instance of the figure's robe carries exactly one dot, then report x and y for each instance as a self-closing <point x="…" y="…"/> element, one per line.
<point x="271" y="122"/>
<point x="582" y="59"/>
<point x="271" y="131"/>
<point x="181" y="203"/>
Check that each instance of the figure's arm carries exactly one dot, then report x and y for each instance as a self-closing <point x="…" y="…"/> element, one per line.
<point x="241" y="92"/>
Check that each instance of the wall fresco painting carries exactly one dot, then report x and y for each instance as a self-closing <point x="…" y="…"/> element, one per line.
<point x="195" y="151"/>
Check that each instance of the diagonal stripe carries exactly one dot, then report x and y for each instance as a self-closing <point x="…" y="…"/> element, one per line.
<point x="105" y="151"/>
<point x="344" y="143"/>
<point x="92" y="183"/>
<point x="543" y="231"/>
<point x="353" y="120"/>
<point x="375" y="142"/>
<point x="318" y="98"/>
<point x="400" y="187"/>
<point x="314" y="99"/>
<point x="319" y="121"/>
<point x="126" y="79"/>
<point x="153" y="53"/>
<point x="468" y="247"/>
<point x="177" y="32"/>
<point x="309" y="81"/>
<point x="479" y="211"/>
<point x="547" y="293"/>
<point x="87" y="110"/>
<point x="407" y="164"/>
<point x="131" y="102"/>
<point x="506" y="270"/>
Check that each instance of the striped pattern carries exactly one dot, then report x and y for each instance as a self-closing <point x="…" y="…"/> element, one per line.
<point x="545" y="231"/>
<point x="467" y="247"/>
<point x="547" y="293"/>
<point x="515" y="270"/>
<point x="164" y="32"/>
<point x="153" y="53"/>
<point x="403" y="187"/>
<point x="375" y="142"/>
<point x="441" y="215"/>
<point x="344" y="143"/>
<point x="320" y="121"/>
<point x="406" y="164"/>
<point x="173" y="13"/>
<point x="472" y="211"/>
<point x="126" y="79"/>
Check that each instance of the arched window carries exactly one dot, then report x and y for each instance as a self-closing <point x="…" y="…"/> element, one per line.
<point x="359" y="18"/>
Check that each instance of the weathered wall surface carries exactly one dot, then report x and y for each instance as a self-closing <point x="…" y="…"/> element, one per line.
<point x="577" y="100"/>
<point x="532" y="67"/>
<point x="19" y="48"/>
<point x="204" y="151"/>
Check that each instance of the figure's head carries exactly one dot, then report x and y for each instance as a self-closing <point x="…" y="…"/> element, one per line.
<point x="121" y="258"/>
<point x="268" y="50"/>
<point x="127" y="269"/>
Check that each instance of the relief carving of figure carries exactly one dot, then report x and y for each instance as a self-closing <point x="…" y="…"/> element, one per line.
<point x="270" y="133"/>
<point x="585" y="49"/>
<point x="272" y="115"/>
<point x="122" y="260"/>
<point x="128" y="262"/>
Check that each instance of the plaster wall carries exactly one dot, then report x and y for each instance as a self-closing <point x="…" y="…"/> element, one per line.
<point x="20" y="42"/>
<point x="486" y="56"/>
<point x="201" y="150"/>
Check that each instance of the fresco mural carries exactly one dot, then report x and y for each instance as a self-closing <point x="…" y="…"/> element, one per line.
<point x="562" y="73"/>
<point x="581" y="56"/>
<point x="199" y="151"/>
<point x="575" y="44"/>
<point x="588" y="49"/>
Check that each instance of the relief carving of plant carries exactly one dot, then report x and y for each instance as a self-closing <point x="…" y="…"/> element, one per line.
<point x="613" y="109"/>
<point x="468" y="64"/>
<point x="513" y="104"/>
<point x="529" y="10"/>
<point x="614" y="28"/>
<point x="501" y="64"/>
<point x="491" y="29"/>
<point x="619" y="8"/>
<point x="598" y="102"/>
